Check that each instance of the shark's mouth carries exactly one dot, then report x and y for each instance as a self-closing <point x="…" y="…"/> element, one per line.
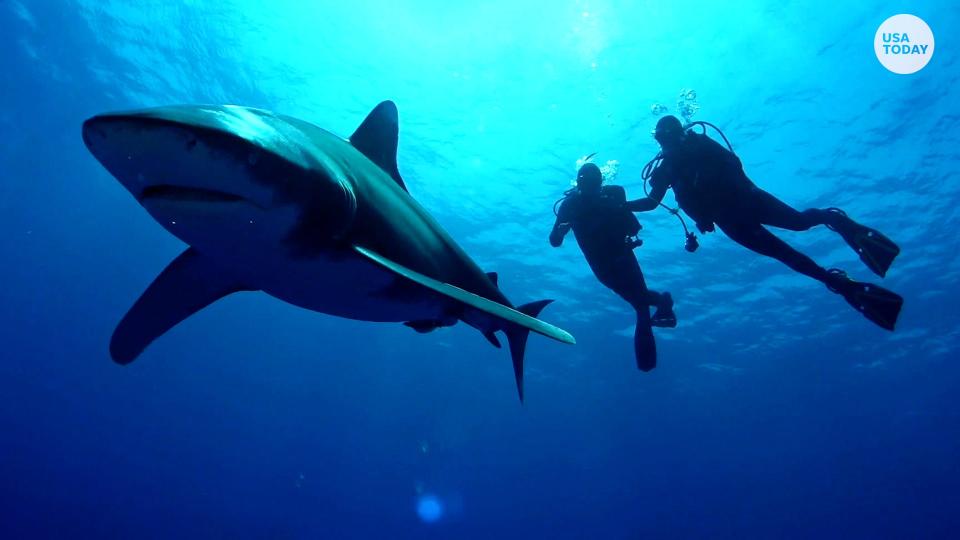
<point x="187" y="194"/>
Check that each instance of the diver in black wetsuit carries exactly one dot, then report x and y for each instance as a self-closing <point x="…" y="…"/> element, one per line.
<point x="710" y="186"/>
<point x="604" y="229"/>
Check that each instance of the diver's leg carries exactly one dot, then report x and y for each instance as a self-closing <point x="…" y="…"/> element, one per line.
<point x="627" y="281"/>
<point x="875" y="250"/>
<point x="762" y="241"/>
<point x="634" y="276"/>
<point x="624" y="277"/>
<point x="874" y="302"/>
<point x="770" y="210"/>
<point x="636" y="286"/>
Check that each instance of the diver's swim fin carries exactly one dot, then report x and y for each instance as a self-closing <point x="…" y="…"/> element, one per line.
<point x="875" y="249"/>
<point x="664" y="317"/>
<point x="877" y="304"/>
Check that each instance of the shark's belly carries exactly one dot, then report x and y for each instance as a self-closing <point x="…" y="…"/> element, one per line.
<point x="345" y="285"/>
<point x="249" y="243"/>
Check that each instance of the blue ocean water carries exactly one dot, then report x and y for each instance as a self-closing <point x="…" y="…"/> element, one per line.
<point x="776" y="410"/>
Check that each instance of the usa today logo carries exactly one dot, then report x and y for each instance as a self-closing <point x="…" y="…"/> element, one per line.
<point x="904" y="44"/>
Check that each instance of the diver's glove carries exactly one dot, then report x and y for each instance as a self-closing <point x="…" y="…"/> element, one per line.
<point x="707" y="227"/>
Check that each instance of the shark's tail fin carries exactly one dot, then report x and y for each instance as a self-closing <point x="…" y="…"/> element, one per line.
<point x="517" y="338"/>
<point x="516" y="323"/>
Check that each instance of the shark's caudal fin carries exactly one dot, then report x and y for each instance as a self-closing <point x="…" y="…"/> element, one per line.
<point x="186" y="285"/>
<point x="516" y="323"/>
<point x="517" y="338"/>
<point x="377" y="138"/>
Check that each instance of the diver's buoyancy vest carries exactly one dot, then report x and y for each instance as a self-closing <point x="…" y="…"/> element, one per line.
<point x="704" y="175"/>
<point x="600" y="226"/>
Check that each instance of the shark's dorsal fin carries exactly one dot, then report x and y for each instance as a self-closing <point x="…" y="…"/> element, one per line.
<point x="187" y="285"/>
<point x="377" y="136"/>
<point x="493" y="277"/>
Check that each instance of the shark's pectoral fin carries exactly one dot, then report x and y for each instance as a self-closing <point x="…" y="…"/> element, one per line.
<point x="377" y="138"/>
<point x="429" y="325"/>
<point x="186" y="285"/>
<point x="422" y="327"/>
<point x="500" y="311"/>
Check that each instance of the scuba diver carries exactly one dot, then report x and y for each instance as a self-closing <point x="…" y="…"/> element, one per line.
<point x="606" y="233"/>
<point x="710" y="186"/>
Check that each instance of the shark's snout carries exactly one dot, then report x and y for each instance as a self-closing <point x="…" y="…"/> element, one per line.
<point x="199" y="183"/>
<point x="227" y="178"/>
<point x="157" y="158"/>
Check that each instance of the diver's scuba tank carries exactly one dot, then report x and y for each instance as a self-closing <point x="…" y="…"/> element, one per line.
<point x="691" y="243"/>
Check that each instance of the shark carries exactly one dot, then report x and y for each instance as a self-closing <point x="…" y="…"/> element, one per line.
<point x="268" y="202"/>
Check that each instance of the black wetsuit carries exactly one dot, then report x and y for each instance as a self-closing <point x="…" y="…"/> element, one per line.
<point x="710" y="186"/>
<point x="601" y="226"/>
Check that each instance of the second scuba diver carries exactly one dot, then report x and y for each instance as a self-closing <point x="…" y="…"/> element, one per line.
<point x="605" y="231"/>
<point x="711" y="187"/>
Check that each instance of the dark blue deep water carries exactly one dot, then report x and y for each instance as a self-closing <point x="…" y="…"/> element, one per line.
<point x="776" y="412"/>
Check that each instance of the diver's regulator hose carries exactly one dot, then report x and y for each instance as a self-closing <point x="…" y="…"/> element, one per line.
<point x="690" y="239"/>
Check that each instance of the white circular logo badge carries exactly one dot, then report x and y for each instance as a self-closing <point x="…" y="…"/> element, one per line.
<point x="904" y="44"/>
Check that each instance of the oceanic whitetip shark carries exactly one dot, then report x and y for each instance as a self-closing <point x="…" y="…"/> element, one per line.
<point x="271" y="203"/>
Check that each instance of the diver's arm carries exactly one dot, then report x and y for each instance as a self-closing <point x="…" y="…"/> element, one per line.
<point x="561" y="226"/>
<point x="650" y="202"/>
<point x="560" y="229"/>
